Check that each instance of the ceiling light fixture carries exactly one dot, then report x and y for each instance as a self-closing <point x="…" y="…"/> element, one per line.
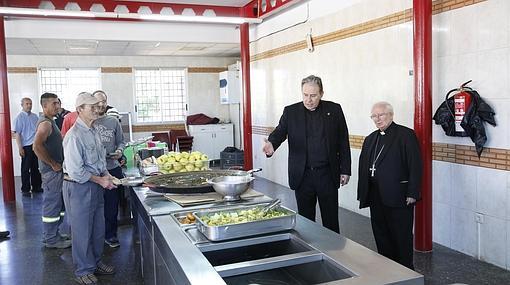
<point x="8" y="11"/>
<point x="46" y="12"/>
<point x="192" y="19"/>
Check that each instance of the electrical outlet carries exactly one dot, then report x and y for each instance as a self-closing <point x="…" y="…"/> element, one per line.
<point x="479" y="218"/>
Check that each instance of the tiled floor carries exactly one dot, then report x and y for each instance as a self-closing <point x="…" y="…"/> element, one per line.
<point x="23" y="259"/>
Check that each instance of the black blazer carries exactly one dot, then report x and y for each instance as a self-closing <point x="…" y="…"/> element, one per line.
<point x="399" y="167"/>
<point x="292" y="126"/>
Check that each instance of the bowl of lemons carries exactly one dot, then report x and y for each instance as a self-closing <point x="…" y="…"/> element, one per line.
<point x="174" y="162"/>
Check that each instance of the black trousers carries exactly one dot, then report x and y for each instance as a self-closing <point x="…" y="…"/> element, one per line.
<point x="111" y="205"/>
<point x="393" y="229"/>
<point x="30" y="175"/>
<point x="318" y="185"/>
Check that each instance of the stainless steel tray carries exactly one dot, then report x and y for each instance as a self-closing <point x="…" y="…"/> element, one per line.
<point x="232" y="231"/>
<point x="181" y="215"/>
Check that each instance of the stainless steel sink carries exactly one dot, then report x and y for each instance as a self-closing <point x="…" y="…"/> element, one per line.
<point x="255" y="251"/>
<point x="272" y="259"/>
<point x="314" y="272"/>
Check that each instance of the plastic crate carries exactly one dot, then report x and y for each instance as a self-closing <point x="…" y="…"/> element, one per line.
<point x="231" y="159"/>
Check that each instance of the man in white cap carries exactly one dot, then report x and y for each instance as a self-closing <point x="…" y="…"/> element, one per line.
<point x="85" y="180"/>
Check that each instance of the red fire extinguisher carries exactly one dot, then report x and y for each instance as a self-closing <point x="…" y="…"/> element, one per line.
<point x="462" y="101"/>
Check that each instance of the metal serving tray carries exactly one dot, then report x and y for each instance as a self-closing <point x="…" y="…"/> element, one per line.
<point x="181" y="215"/>
<point x="232" y="231"/>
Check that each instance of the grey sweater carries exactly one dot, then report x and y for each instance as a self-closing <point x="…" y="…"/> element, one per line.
<point x="112" y="137"/>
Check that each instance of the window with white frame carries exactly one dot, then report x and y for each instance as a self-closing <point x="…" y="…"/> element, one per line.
<point x="67" y="83"/>
<point x="160" y="95"/>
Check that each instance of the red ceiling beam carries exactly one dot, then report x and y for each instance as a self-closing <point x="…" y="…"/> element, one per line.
<point x="132" y="6"/>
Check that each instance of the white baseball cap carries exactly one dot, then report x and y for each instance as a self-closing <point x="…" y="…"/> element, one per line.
<point x="85" y="98"/>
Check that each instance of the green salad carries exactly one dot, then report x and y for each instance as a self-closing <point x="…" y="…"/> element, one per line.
<point x="240" y="216"/>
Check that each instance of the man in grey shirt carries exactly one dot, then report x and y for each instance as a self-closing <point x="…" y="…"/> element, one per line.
<point x="86" y="179"/>
<point x="48" y="148"/>
<point x="112" y="137"/>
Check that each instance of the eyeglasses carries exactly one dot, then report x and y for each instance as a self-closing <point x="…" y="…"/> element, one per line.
<point x="377" y="116"/>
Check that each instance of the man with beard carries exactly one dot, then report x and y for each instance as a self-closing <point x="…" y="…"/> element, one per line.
<point x="112" y="137"/>
<point x="85" y="181"/>
<point x="48" y="148"/>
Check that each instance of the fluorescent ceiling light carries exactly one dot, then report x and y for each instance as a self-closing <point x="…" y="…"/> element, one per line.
<point x="192" y="19"/>
<point x="45" y="12"/>
<point x="8" y="11"/>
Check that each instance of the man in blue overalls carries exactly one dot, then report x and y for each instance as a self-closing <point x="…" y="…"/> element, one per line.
<point x="86" y="179"/>
<point x="48" y="148"/>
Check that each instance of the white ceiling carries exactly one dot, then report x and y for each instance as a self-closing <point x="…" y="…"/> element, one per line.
<point x="122" y="48"/>
<point x="125" y="45"/>
<point x="231" y="3"/>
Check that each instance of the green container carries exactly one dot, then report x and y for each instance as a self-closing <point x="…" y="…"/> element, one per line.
<point x="130" y="152"/>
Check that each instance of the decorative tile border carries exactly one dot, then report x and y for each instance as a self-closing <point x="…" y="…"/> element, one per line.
<point x="116" y="69"/>
<point x="494" y="158"/>
<point x="206" y="69"/>
<point x="157" y="128"/>
<point x="438" y="6"/>
<point x="21" y="69"/>
<point x="125" y="69"/>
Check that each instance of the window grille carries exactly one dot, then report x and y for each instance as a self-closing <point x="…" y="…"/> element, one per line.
<point x="160" y="95"/>
<point x="67" y="83"/>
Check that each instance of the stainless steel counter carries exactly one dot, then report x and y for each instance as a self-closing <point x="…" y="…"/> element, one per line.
<point x="176" y="259"/>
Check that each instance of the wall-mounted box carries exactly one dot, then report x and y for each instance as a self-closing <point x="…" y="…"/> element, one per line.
<point x="229" y="87"/>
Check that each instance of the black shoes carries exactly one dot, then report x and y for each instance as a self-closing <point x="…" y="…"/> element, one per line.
<point x="4" y="234"/>
<point x="112" y="242"/>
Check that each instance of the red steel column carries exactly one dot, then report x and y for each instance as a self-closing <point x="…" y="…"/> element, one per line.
<point x="5" y="124"/>
<point x="422" y="15"/>
<point x="245" y="65"/>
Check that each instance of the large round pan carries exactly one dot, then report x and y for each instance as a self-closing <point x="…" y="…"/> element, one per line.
<point x="190" y="182"/>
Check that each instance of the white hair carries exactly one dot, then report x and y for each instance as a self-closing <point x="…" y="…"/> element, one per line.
<point x="387" y="106"/>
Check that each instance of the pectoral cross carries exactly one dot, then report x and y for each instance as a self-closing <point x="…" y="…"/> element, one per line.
<point x="372" y="169"/>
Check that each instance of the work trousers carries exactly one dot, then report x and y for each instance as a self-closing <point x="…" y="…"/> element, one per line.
<point x="111" y="205"/>
<point x="86" y="212"/>
<point x="393" y="229"/>
<point x="53" y="212"/>
<point x="30" y="176"/>
<point x="318" y="184"/>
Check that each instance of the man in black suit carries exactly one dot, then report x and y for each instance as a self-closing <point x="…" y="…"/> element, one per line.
<point x="390" y="170"/>
<point x="319" y="151"/>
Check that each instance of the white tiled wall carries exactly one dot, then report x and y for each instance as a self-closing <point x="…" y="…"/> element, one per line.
<point x="472" y="42"/>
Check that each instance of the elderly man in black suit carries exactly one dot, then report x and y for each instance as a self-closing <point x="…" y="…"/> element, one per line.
<point x="319" y="151"/>
<point x="390" y="170"/>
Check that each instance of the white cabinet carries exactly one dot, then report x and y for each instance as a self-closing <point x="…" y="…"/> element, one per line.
<point x="212" y="139"/>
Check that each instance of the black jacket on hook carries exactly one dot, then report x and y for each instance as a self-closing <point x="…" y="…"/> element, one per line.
<point x="472" y="122"/>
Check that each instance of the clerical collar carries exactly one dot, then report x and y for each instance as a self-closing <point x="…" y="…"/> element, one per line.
<point x="388" y="129"/>
<point x="316" y="108"/>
